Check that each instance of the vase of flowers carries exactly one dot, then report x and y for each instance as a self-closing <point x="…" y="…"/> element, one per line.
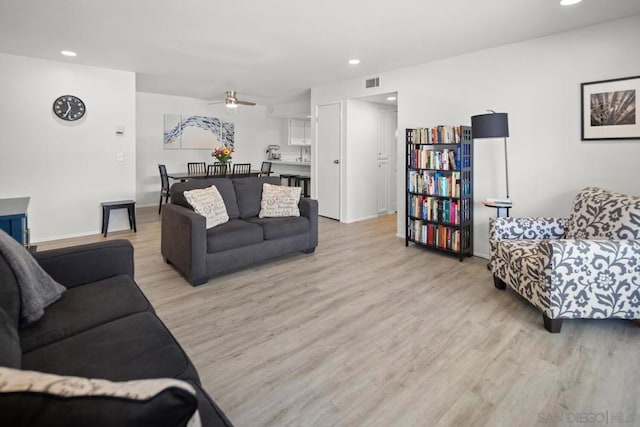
<point x="223" y="154"/>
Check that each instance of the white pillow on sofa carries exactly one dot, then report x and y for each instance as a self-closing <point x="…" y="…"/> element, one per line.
<point x="209" y="203"/>
<point x="279" y="201"/>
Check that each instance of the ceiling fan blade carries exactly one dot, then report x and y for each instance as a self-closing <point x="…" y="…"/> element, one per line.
<point x="216" y="102"/>
<point x="245" y="102"/>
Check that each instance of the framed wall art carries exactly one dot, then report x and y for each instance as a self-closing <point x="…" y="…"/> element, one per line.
<point x="610" y="109"/>
<point x="191" y="132"/>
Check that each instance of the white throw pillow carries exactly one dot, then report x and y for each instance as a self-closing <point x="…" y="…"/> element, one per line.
<point x="278" y="201"/>
<point x="209" y="203"/>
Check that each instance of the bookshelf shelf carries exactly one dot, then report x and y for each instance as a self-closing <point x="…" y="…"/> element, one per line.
<point x="439" y="189"/>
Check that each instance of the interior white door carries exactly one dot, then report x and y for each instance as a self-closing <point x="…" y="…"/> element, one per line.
<point x="328" y="143"/>
<point x="393" y="163"/>
<point x="383" y="186"/>
<point x="384" y="123"/>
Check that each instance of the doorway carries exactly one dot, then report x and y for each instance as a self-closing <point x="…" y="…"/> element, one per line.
<point x="372" y="152"/>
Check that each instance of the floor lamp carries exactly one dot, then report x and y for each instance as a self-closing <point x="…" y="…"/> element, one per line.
<point x="493" y="125"/>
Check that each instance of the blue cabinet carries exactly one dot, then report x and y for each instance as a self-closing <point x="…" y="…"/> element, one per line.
<point x="13" y="218"/>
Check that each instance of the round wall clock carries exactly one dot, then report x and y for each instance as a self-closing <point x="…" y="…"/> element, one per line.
<point x="69" y="107"/>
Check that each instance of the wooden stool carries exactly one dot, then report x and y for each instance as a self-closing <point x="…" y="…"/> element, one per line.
<point x="130" y="205"/>
<point x="292" y="179"/>
<point x="305" y="183"/>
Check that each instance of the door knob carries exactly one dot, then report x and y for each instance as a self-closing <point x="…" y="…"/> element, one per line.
<point x="336" y="161"/>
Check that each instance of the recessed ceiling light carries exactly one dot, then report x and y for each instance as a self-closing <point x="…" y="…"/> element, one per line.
<point x="569" y="2"/>
<point x="354" y="61"/>
<point x="391" y="98"/>
<point x="68" y="53"/>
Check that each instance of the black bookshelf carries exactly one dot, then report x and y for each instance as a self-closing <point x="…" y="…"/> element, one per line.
<point x="439" y="189"/>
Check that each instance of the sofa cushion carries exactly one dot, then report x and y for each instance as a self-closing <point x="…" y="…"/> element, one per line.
<point x="233" y="234"/>
<point x="602" y="214"/>
<point x="521" y="267"/>
<point x="208" y="203"/>
<point x="10" y="351"/>
<point x="133" y="347"/>
<point x="224" y="186"/>
<point x="9" y="292"/>
<point x="279" y="201"/>
<point x="249" y="193"/>
<point x="84" y="307"/>
<point x="42" y="399"/>
<point x="277" y="228"/>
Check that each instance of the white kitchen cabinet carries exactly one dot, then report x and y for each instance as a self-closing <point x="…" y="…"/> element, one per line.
<point x="299" y="132"/>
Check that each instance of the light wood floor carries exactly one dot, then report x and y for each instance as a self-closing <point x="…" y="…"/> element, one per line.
<point x="369" y="332"/>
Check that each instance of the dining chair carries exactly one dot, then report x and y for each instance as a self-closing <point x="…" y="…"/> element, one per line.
<point x="217" y="169"/>
<point x="241" y="170"/>
<point x="164" y="191"/>
<point x="265" y="170"/>
<point x="196" y="167"/>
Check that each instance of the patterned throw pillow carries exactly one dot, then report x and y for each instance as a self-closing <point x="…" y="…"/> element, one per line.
<point x="278" y="201"/>
<point x="602" y="214"/>
<point x="37" y="398"/>
<point x="208" y="203"/>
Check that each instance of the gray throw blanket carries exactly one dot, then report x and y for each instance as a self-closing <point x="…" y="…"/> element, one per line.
<point x="37" y="288"/>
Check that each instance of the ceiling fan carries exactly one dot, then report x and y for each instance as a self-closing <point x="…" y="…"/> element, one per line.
<point x="232" y="100"/>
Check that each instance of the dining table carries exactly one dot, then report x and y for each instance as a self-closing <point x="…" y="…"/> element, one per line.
<point x="185" y="176"/>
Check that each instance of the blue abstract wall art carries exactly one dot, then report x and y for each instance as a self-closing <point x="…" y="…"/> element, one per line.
<point x="191" y="132"/>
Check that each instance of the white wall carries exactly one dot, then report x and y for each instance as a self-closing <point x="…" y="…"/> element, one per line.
<point x="66" y="168"/>
<point x="538" y="83"/>
<point x="254" y="131"/>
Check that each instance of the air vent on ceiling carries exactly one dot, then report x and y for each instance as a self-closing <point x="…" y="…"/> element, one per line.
<point x="374" y="82"/>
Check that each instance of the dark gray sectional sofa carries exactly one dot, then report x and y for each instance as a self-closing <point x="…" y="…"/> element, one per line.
<point x="246" y="239"/>
<point x="102" y="327"/>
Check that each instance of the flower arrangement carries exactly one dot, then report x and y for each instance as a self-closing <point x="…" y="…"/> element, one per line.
<point x="223" y="154"/>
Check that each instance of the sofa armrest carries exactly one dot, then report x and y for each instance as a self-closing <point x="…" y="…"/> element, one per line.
<point x="82" y="264"/>
<point x="183" y="241"/>
<point x="309" y="209"/>
<point x="591" y="278"/>
<point x="526" y="228"/>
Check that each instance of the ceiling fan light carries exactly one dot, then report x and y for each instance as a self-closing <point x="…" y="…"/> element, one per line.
<point x="231" y="104"/>
<point x="569" y="2"/>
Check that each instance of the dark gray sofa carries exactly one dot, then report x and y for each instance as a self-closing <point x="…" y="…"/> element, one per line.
<point x="199" y="253"/>
<point x="102" y="327"/>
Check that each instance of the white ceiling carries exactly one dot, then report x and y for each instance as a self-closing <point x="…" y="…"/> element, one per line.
<point x="275" y="50"/>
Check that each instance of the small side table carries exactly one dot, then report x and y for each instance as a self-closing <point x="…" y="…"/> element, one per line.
<point x="502" y="211"/>
<point x="130" y="205"/>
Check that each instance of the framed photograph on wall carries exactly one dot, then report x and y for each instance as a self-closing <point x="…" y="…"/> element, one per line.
<point x="610" y="109"/>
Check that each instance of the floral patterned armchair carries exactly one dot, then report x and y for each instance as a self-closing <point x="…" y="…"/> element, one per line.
<point x="584" y="266"/>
